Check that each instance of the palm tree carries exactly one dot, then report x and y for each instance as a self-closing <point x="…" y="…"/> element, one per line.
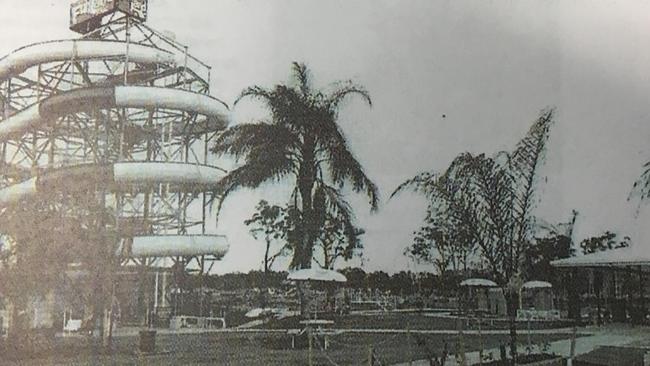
<point x="486" y="203"/>
<point x="301" y="141"/>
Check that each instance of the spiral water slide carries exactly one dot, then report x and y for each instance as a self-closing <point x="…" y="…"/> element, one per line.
<point x="117" y="176"/>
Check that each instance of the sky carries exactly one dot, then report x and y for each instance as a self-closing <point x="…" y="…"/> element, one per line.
<point x="488" y="66"/>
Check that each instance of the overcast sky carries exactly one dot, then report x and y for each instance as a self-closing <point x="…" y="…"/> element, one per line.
<point x="489" y="66"/>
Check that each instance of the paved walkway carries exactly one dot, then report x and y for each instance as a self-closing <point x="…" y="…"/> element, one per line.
<point x="616" y="335"/>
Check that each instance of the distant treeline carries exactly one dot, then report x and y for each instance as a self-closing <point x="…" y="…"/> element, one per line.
<point x="400" y="283"/>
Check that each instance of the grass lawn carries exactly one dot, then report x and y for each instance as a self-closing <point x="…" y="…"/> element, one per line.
<point x="259" y="349"/>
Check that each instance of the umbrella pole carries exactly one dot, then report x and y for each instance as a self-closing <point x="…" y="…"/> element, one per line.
<point x="480" y="340"/>
<point x="311" y="351"/>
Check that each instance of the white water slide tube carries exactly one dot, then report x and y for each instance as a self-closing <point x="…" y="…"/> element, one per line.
<point x="107" y="97"/>
<point x="126" y="175"/>
<point x="174" y="245"/>
<point x="56" y="51"/>
<point x="183" y="176"/>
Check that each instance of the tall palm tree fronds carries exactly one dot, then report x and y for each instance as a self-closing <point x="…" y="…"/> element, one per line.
<point x="526" y="159"/>
<point x="302" y="140"/>
<point x="641" y="187"/>
<point x="491" y="198"/>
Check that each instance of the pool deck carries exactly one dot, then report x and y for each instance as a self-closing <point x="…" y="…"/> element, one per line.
<point x="610" y="335"/>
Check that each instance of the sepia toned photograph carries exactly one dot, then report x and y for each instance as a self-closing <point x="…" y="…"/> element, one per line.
<point x="325" y="182"/>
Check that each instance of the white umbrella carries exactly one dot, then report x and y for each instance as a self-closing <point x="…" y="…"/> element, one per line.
<point x="478" y="282"/>
<point x="537" y="284"/>
<point x="316" y="274"/>
<point x="258" y="312"/>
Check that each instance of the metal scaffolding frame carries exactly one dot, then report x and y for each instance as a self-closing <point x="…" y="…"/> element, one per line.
<point x="100" y="133"/>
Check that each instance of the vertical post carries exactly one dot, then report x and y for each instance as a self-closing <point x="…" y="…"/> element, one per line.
<point x="185" y="70"/>
<point x="34" y="151"/>
<point x="461" y="337"/>
<point x="572" y="352"/>
<point x="201" y="260"/>
<point x="122" y="125"/>
<point x="163" y="291"/>
<point x="7" y="103"/>
<point x="311" y="351"/>
<point x="68" y="154"/>
<point x="203" y="194"/>
<point x="371" y="356"/>
<point x="108" y="317"/>
<point x="100" y="311"/>
<point x="39" y="73"/>
<point x="155" y="296"/>
<point x="65" y="322"/>
<point x="128" y="43"/>
<point x="408" y="342"/>
<point x="530" y="342"/>
<point x="480" y="342"/>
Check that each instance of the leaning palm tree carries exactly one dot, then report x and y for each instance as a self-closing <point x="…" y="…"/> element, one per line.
<point x="487" y="203"/>
<point x="641" y="188"/>
<point x="300" y="141"/>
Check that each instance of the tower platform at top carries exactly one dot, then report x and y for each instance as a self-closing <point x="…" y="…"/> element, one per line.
<point x="87" y="15"/>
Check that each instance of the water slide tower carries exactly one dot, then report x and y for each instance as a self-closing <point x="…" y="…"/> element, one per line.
<point x="107" y="136"/>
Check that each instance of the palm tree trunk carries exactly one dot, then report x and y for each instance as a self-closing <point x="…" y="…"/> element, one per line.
<point x="511" y="303"/>
<point x="306" y="179"/>
<point x="265" y="278"/>
<point x="306" y="246"/>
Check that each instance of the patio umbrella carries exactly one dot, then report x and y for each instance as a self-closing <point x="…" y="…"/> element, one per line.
<point x="316" y="274"/>
<point x="258" y="312"/>
<point x="537" y="284"/>
<point x="532" y="285"/>
<point x="478" y="282"/>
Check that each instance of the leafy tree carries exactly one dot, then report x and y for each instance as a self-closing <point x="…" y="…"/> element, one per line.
<point x="402" y="283"/>
<point x="606" y="241"/>
<point x="301" y="141"/>
<point x="34" y="253"/>
<point x="378" y="280"/>
<point x="356" y="277"/>
<point x="538" y="258"/>
<point x="426" y="282"/>
<point x="552" y="242"/>
<point x="445" y="246"/>
<point x="490" y="200"/>
<point x="272" y="224"/>
<point x="339" y="239"/>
